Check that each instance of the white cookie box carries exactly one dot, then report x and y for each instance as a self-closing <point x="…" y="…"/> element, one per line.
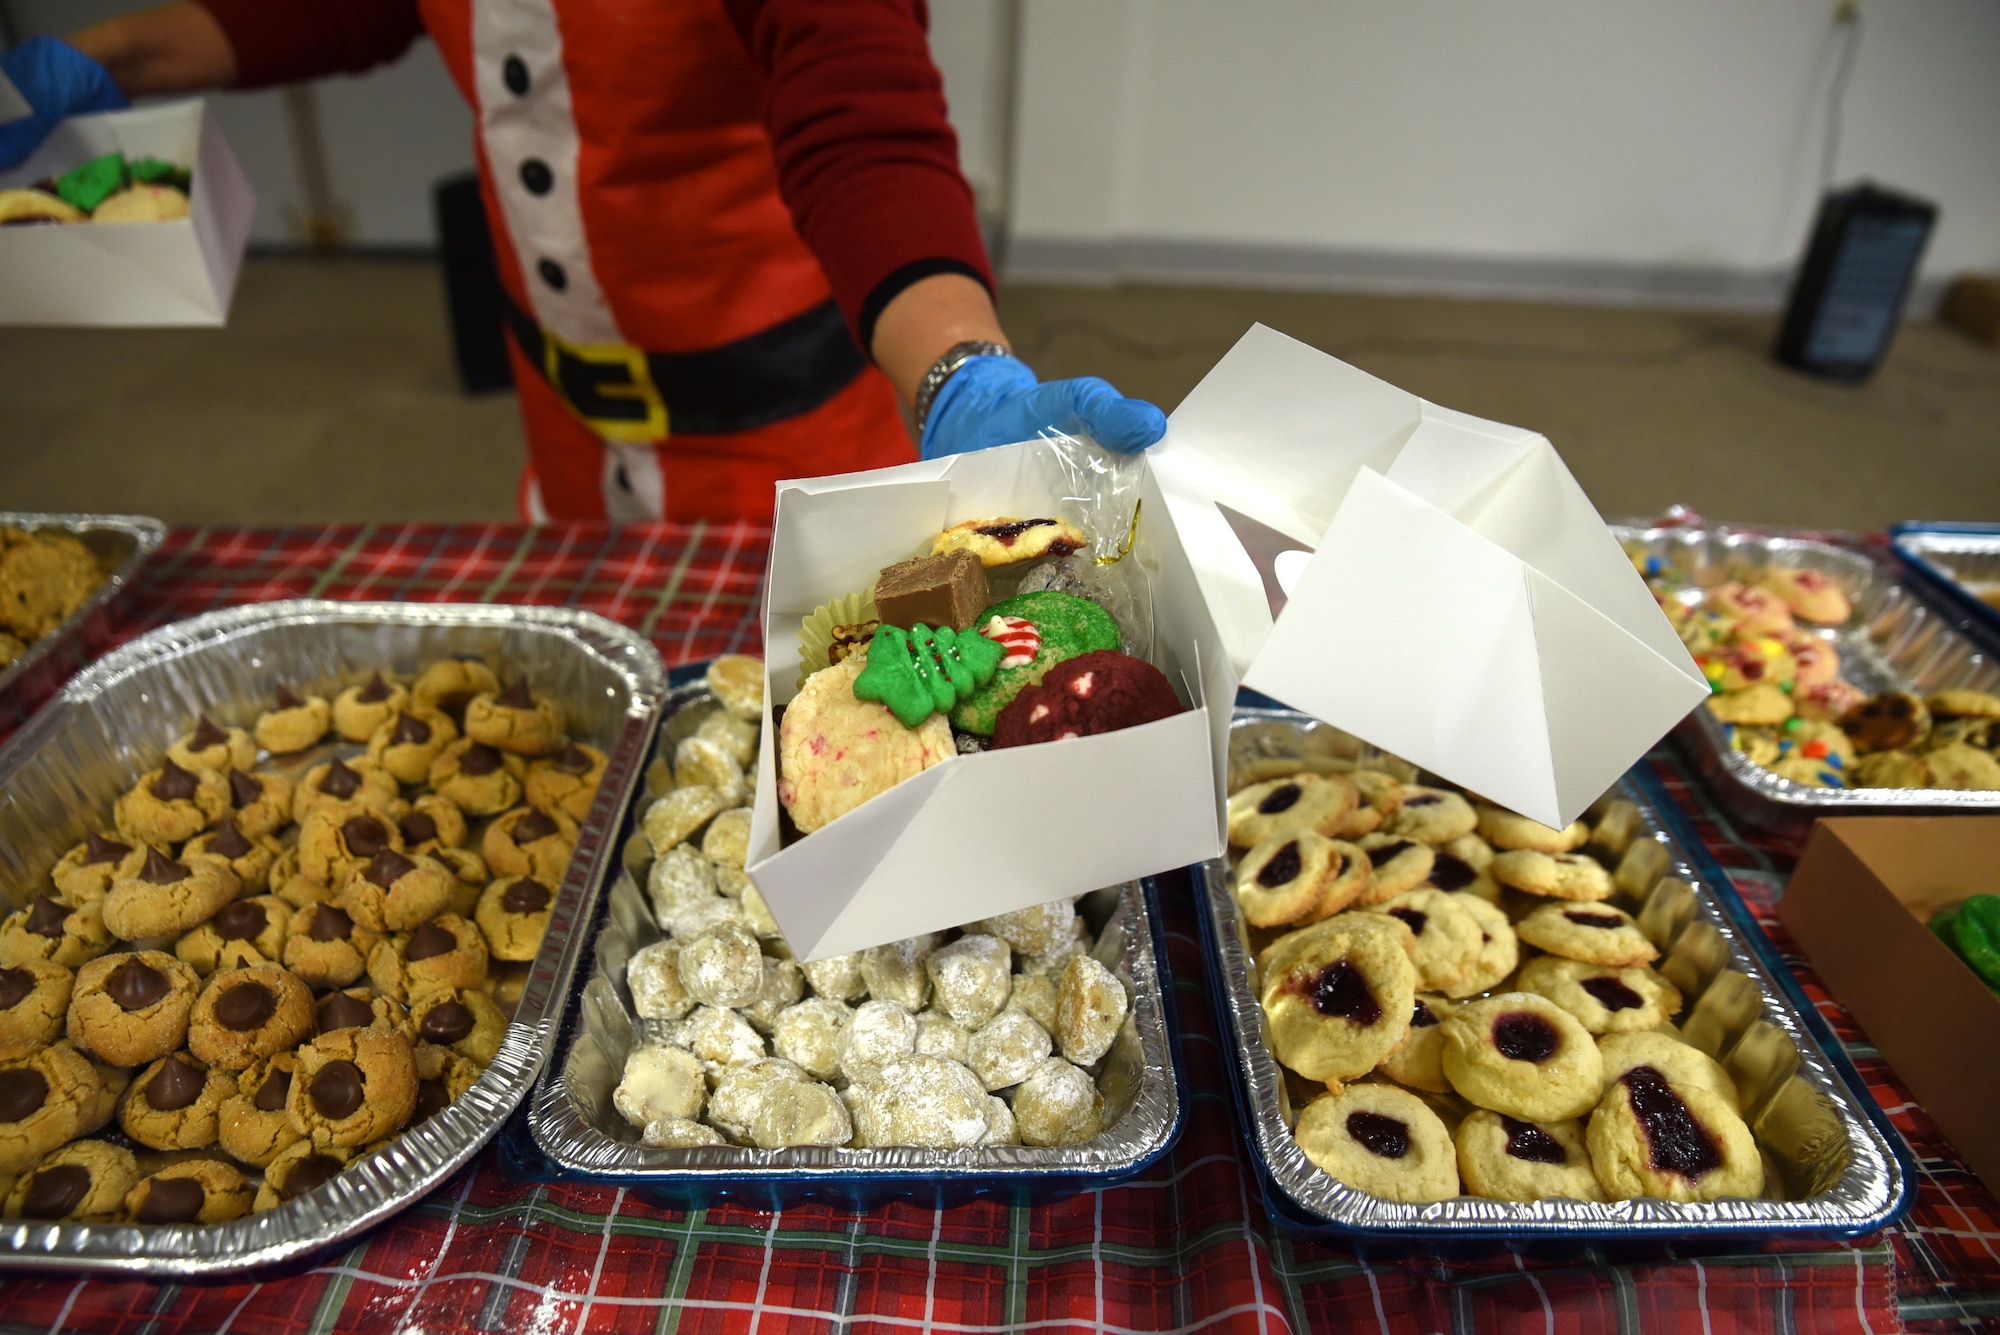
<point x="131" y="274"/>
<point x="1435" y="584"/>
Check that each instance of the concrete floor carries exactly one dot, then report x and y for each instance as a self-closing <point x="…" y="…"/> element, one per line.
<point x="331" y="396"/>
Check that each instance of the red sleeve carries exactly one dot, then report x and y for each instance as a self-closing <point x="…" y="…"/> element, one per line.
<point x="287" y="41"/>
<point x="867" y="162"/>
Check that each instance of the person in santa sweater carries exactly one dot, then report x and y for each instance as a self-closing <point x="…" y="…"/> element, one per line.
<point x="733" y="234"/>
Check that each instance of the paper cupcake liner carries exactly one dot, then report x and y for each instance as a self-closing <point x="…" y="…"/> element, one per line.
<point x="816" y="631"/>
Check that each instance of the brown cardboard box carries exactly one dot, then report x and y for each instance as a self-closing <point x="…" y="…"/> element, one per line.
<point x="1858" y="905"/>
<point x="1973" y="304"/>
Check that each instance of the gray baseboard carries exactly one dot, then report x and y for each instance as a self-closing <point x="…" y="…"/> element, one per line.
<point x="1226" y="264"/>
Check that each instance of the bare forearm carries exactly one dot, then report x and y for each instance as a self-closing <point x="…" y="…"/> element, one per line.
<point x="174" y="49"/>
<point x="924" y="321"/>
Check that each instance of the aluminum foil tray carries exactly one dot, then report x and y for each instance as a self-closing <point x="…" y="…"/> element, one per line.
<point x="115" y="719"/>
<point x="121" y="544"/>
<point x="1961" y="559"/>
<point x="1828" y="1141"/>
<point x="577" y="1135"/>
<point x="1896" y="640"/>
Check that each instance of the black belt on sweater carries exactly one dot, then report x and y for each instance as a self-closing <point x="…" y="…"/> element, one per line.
<point x="625" y="393"/>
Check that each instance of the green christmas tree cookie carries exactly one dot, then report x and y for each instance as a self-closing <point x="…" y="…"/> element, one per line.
<point x="920" y="671"/>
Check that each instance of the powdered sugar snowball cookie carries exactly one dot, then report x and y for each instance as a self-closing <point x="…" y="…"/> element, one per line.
<point x="1418" y="1063"/>
<point x="1593" y="933"/>
<point x="1523" y="1055"/>
<point x="783" y="984"/>
<point x="1035" y="995"/>
<point x="654" y="976"/>
<point x="699" y="761"/>
<point x="1507" y="830"/>
<point x="896" y="972"/>
<point x="971" y="977"/>
<point x="722" y="967"/>
<point x="930" y="1102"/>
<point x="679" y="873"/>
<point x="1448" y="938"/>
<point x="1057" y="1104"/>
<point x="658" y="1082"/>
<point x="678" y="815"/>
<point x="835" y="751"/>
<point x="732" y="1105"/>
<point x="688" y="918"/>
<point x="721" y="1038"/>
<point x="837" y="979"/>
<point x="732" y="734"/>
<point x="1091" y="1006"/>
<point x="876" y="1034"/>
<point x="799" y="1112"/>
<point x="1499" y="948"/>
<point x="807" y="1034"/>
<point x="727" y="841"/>
<point x="737" y="682"/>
<point x="1004" y="1050"/>
<point x="1000" y="1127"/>
<point x="679" y="1133"/>
<point x="938" y="1035"/>
<point x="1382" y="1140"/>
<point x="1033" y="931"/>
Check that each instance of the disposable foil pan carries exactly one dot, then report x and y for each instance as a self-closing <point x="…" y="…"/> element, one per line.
<point x="1826" y="1138"/>
<point x="61" y="773"/>
<point x="1895" y="640"/>
<point x="121" y="544"/>
<point x="580" y="1136"/>
<point x="1961" y="559"/>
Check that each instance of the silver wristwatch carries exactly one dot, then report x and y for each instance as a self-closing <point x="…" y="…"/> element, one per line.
<point x="957" y="355"/>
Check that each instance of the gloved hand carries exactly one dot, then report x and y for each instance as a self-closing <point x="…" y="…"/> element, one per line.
<point x="59" y="81"/>
<point x="997" y="400"/>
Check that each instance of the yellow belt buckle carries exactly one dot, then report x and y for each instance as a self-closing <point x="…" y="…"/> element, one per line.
<point x="610" y="371"/>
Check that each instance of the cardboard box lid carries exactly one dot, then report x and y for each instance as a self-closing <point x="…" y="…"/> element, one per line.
<point x="1431" y="582"/>
<point x="132" y="274"/>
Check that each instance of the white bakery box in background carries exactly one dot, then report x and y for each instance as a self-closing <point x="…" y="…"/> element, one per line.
<point x="131" y="274"/>
<point x="1433" y="583"/>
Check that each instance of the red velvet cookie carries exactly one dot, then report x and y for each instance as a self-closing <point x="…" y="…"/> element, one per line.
<point x="1095" y="692"/>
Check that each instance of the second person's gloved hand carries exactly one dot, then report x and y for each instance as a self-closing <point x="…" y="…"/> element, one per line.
<point x="58" y="81"/>
<point x="997" y="400"/>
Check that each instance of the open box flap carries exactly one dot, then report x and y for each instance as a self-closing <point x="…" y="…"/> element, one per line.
<point x="1462" y="604"/>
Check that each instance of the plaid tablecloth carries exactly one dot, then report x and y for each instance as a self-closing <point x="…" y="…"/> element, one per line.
<point x="1184" y="1248"/>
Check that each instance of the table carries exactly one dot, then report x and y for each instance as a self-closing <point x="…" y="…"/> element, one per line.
<point x="1183" y="1248"/>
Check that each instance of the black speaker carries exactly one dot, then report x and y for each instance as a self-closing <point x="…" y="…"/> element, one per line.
<point x="1850" y="293"/>
<point x="472" y="292"/>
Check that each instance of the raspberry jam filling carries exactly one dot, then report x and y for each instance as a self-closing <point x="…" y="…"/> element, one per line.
<point x="1280" y="799"/>
<point x="1387" y="1137"/>
<point x="1527" y="1141"/>
<point x="1340" y="992"/>
<point x="1676" y="1142"/>
<point x="1282" y="867"/>
<point x="1413" y="918"/>
<point x="1523" y="1036"/>
<point x="1612" y="994"/>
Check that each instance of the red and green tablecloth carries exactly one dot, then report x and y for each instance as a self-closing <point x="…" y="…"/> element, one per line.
<point x="1186" y="1247"/>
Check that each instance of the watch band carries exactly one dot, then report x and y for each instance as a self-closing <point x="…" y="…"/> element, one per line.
<point x="957" y="355"/>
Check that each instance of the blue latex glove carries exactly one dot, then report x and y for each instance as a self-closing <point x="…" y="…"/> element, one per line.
<point x="997" y="400"/>
<point x="59" y="81"/>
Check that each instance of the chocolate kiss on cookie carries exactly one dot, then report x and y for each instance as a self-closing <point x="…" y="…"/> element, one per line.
<point x="175" y="784"/>
<point x="446" y="1023"/>
<point x="330" y="924"/>
<point x="432" y="1099"/>
<point x="177" y="1086"/>
<point x="245" y="789"/>
<point x="162" y="870"/>
<point x="228" y="841"/>
<point x="338" y="1090"/>
<point x="271" y="1095"/>
<point x="516" y="696"/>
<point x="429" y="941"/>
<point x="375" y="692"/>
<point x="478" y="759"/>
<point x="245" y="1006"/>
<point x="339" y="780"/>
<point x="417" y="828"/>
<point x="135" y="985"/>
<point x="365" y="837"/>
<point x="338" y="1010"/>
<point x="206" y="734"/>
<point x="15" y="985"/>
<point x="527" y="895"/>
<point x="387" y="867"/>
<point x="56" y="1192"/>
<point x="97" y="850"/>
<point x="23" y="1092"/>
<point x="409" y="731"/>
<point x="312" y="1171"/>
<point x="572" y="759"/>
<point x="283" y="698"/>
<point x="537" y="824"/>
<point x="46" y="917"/>
<point x="173" y="1200"/>
<point x="241" y="920"/>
